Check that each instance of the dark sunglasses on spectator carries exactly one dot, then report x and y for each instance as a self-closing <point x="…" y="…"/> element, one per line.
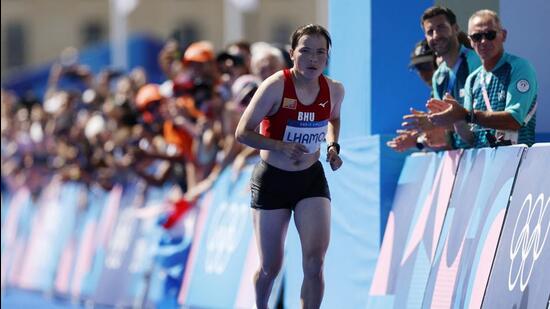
<point x="489" y="35"/>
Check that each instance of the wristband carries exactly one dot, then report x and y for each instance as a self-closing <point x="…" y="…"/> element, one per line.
<point x="470" y="117"/>
<point x="335" y="145"/>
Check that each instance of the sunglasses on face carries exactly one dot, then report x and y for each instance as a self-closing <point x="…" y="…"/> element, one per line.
<point x="489" y="36"/>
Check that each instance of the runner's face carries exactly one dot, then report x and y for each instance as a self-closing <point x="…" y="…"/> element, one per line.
<point x="440" y="34"/>
<point x="310" y="55"/>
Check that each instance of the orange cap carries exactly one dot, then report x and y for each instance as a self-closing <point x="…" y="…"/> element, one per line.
<point x="146" y="95"/>
<point x="201" y="51"/>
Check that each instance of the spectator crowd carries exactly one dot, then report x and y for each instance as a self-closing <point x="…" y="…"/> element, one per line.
<point x="482" y="96"/>
<point x="117" y="127"/>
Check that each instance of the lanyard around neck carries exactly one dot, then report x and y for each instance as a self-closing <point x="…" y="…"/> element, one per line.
<point x="484" y="91"/>
<point x="454" y="72"/>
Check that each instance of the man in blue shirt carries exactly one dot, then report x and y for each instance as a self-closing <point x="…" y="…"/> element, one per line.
<point x="500" y="96"/>
<point x="456" y="63"/>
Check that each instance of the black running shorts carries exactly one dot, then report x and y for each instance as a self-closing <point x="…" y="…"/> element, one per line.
<point x="274" y="188"/>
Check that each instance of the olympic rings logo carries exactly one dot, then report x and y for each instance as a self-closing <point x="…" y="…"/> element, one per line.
<point x="530" y="240"/>
<point x="224" y="235"/>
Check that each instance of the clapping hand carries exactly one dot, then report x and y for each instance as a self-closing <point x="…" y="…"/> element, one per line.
<point x="404" y="140"/>
<point x="453" y="113"/>
<point x="417" y="120"/>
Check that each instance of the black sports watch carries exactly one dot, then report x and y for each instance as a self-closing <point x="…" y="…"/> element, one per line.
<point x="335" y="145"/>
<point x="470" y="117"/>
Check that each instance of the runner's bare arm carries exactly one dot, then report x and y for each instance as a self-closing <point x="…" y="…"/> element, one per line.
<point x="337" y="96"/>
<point x="333" y="132"/>
<point x="262" y="104"/>
<point x="266" y="102"/>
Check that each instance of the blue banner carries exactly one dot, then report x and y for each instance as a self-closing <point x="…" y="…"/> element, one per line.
<point x="223" y="256"/>
<point x="472" y="226"/>
<point x="85" y="246"/>
<point x="5" y="199"/>
<point x="52" y="228"/>
<point x="101" y="231"/>
<point x="520" y="277"/>
<point x="15" y="235"/>
<point x="129" y="257"/>
<point x="362" y="192"/>
<point x="413" y="229"/>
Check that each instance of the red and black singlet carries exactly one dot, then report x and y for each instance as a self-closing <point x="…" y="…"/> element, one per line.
<point x="296" y="122"/>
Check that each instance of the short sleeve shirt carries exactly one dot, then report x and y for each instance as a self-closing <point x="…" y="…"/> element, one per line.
<point x="452" y="80"/>
<point x="512" y="87"/>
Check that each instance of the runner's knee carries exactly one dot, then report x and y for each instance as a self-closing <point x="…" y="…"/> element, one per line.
<point x="270" y="270"/>
<point x="313" y="266"/>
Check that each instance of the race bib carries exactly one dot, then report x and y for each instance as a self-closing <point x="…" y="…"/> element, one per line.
<point x="307" y="133"/>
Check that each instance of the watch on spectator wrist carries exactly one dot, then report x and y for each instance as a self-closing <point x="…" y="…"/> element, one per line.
<point x="335" y="145"/>
<point x="450" y="139"/>
<point x="420" y="142"/>
<point x="470" y="117"/>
